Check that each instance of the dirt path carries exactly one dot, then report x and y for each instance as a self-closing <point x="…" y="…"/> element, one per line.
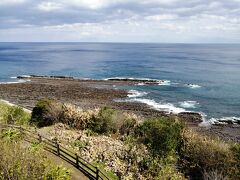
<point x="75" y="173"/>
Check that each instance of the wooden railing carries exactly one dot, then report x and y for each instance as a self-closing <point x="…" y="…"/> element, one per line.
<point x="91" y="171"/>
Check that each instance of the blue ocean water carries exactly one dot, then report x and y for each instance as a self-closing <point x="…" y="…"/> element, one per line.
<point x="198" y="77"/>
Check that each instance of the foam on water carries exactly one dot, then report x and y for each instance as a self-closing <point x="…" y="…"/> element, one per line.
<point x="188" y="104"/>
<point x="167" y="107"/>
<point x="224" y="120"/>
<point x="16" y="82"/>
<point x="164" y="83"/>
<point x="193" y="86"/>
<point x="131" y="78"/>
<point x="135" y="93"/>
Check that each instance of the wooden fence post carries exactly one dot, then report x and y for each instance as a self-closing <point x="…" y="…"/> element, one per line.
<point x="21" y="129"/>
<point x="58" y="150"/>
<point x="77" y="160"/>
<point x="97" y="173"/>
<point x="39" y="138"/>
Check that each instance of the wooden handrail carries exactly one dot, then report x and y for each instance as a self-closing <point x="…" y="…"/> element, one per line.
<point x="81" y="164"/>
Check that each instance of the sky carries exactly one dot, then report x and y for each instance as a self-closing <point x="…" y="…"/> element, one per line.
<point x="157" y="21"/>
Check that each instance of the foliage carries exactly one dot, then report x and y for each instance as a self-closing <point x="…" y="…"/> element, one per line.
<point x="162" y="135"/>
<point x="76" y="117"/>
<point x="204" y="156"/>
<point x="113" y="121"/>
<point x="58" y="173"/>
<point x="128" y="126"/>
<point x="45" y="113"/>
<point x="102" y="167"/>
<point x="19" y="162"/>
<point x="11" y="135"/>
<point x="79" y="144"/>
<point x="104" y="122"/>
<point x="13" y="114"/>
<point x="170" y="144"/>
<point x="160" y="168"/>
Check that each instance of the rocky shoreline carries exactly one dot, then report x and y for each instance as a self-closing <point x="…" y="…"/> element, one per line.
<point x="88" y="93"/>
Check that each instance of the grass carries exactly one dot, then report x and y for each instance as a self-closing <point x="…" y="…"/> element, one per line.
<point x="13" y="115"/>
<point x="203" y="156"/>
<point x="18" y="161"/>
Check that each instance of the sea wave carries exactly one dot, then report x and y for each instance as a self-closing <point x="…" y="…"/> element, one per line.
<point x="16" y="82"/>
<point x="131" y="79"/>
<point x="164" y="83"/>
<point x="140" y="81"/>
<point x="225" y="120"/>
<point x="193" y="86"/>
<point x="135" y="93"/>
<point x="167" y="107"/>
<point x="188" y="104"/>
<point x="24" y="76"/>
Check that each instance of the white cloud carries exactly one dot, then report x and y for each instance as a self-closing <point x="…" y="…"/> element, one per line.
<point x="49" y="6"/>
<point x="161" y="17"/>
<point x="121" y="20"/>
<point x="11" y="2"/>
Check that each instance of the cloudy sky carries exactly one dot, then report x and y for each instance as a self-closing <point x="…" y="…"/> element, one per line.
<point x="189" y="21"/>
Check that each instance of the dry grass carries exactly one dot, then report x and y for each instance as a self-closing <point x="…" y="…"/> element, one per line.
<point x="203" y="156"/>
<point x="21" y="163"/>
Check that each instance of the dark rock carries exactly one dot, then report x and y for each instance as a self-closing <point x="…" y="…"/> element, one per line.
<point x="191" y="117"/>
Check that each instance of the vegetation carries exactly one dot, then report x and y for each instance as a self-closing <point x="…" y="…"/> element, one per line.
<point x="162" y="135"/>
<point x="13" y="115"/>
<point x="210" y="157"/>
<point x="102" y="121"/>
<point x="102" y="167"/>
<point x="45" y="113"/>
<point x="173" y="150"/>
<point x="19" y="160"/>
<point x="24" y="162"/>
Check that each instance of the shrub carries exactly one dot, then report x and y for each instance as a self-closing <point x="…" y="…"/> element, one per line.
<point x="104" y="122"/>
<point x="162" y="135"/>
<point x="204" y="156"/>
<point x="18" y="162"/>
<point x="11" y="135"/>
<point x="46" y="113"/>
<point x="128" y="126"/>
<point x="58" y="172"/>
<point x="161" y="168"/>
<point x="79" y="144"/>
<point x="77" y="117"/>
<point x="13" y="114"/>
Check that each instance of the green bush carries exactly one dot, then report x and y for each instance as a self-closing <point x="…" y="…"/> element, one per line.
<point x="79" y="144"/>
<point x="11" y="135"/>
<point x="104" y="122"/>
<point x="162" y="135"/>
<point x="160" y="168"/>
<point x="46" y="113"/>
<point x="58" y="173"/>
<point x="128" y="126"/>
<point x="13" y="115"/>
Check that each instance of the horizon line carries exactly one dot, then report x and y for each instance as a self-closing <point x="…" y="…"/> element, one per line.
<point x="120" y="42"/>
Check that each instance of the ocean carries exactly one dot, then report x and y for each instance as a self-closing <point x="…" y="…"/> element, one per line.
<point x="201" y="78"/>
